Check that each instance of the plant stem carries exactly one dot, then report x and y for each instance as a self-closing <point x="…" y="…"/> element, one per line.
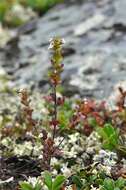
<point x="55" y="80"/>
<point x="55" y="118"/>
<point x="55" y="110"/>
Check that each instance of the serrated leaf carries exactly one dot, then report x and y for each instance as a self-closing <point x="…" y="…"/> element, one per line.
<point x="48" y="180"/>
<point x="58" y="182"/>
<point x="26" y="186"/>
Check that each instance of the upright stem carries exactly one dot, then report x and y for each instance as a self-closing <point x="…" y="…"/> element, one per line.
<point x="55" y="110"/>
<point x="55" y="118"/>
<point x="55" y="80"/>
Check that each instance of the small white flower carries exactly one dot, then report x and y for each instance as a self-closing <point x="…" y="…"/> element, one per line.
<point x="51" y="44"/>
<point x="40" y="157"/>
<point x="66" y="171"/>
<point x="53" y="161"/>
<point x="30" y="134"/>
<point x="40" y="135"/>
<point x="73" y="138"/>
<point x="33" y="181"/>
<point x="63" y="41"/>
<point x="51" y="40"/>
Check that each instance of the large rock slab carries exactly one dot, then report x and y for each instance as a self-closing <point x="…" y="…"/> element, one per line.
<point x="95" y="50"/>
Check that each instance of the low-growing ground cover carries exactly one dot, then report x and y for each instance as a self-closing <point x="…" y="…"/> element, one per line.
<point x="57" y="143"/>
<point x="16" y="12"/>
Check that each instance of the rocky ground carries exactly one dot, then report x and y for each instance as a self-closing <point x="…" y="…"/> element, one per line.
<point x="94" y="64"/>
<point x="95" y="55"/>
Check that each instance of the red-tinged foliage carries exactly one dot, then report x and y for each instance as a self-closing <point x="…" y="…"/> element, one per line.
<point x="55" y="79"/>
<point x="119" y="115"/>
<point x="51" y="98"/>
<point x="45" y="135"/>
<point x="99" y="119"/>
<point x="74" y="187"/>
<point x="87" y="109"/>
<point x="27" y="110"/>
<point x="118" y="171"/>
<point x="48" y="149"/>
<point x="54" y="123"/>
<point x="74" y="121"/>
<point x="48" y="98"/>
<point x="60" y="101"/>
<point x="121" y="99"/>
<point x="86" y="106"/>
<point x="87" y="130"/>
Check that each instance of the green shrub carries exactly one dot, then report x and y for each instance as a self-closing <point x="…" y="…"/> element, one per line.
<point x="41" y="5"/>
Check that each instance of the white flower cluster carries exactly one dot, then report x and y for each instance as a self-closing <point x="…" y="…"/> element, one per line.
<point x="52" y="42"/>
<point x="107" y="158"/>
<point x="65" y="170"/>
<point x="33" y="181"/>
<point x="93" y="140"/>
<point x="26" y="148"/>
<point x="73" y="146"/>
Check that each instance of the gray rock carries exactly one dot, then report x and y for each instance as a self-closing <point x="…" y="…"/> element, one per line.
<point x="95" y="32"/>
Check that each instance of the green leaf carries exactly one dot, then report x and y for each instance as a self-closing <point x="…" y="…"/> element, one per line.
<point x="109" y="135"/>
<point x="112" y="135"/>
<point x="4" y="6"/>
<point x="108" y="128"/>
<point x="117" y="188"/>
<point x="48" y="180"/>
<point x="120" y="183"/>
<point x="26" y="186"/>
<point x="92" y="178"/>
<point x="77" y="181"/>
<point x="58" y="182"/>
<point x="109" y="184"/>
<point x="38" y="186"/>
<point x="92" y="122"/>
